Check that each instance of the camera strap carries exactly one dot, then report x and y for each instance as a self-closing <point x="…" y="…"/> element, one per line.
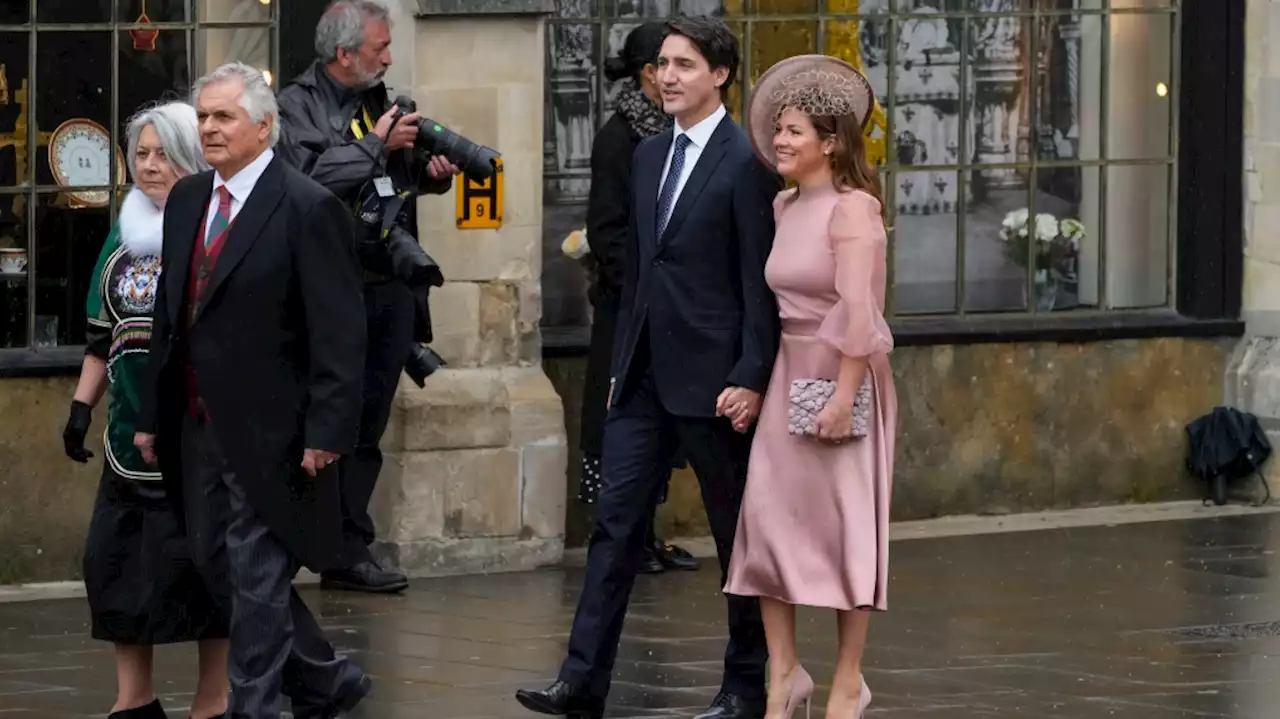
<point x="368" y="123"/>
<point x="390" y="211"/>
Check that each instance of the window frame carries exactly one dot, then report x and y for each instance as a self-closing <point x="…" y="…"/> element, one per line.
<point x="29" y="360"/>
<point x="1205" y="197"/>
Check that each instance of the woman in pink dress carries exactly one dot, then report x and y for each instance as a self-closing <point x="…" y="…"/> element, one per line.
<point x="814" y="523"/>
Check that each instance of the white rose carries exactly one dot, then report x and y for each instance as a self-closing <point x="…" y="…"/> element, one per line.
<point x="1046" y="227"/>
<point x="575" y="245"/>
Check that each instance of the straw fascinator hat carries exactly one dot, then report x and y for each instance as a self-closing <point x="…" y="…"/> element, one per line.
<point x="817" y="85"/>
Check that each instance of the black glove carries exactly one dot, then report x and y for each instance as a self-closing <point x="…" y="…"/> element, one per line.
<point x="76" y="430"/>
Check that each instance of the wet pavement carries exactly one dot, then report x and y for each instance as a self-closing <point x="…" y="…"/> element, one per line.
<point x="1144" y="621"/>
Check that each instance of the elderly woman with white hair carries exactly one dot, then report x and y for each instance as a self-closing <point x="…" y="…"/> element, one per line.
<point x="142" y="586"/>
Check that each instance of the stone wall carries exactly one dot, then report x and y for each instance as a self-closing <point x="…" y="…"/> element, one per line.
<point x="476" y="460"/>
<point x="1001" y="428"/>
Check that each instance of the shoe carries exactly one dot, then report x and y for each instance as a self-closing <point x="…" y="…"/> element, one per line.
<point x="800" y="692"/>
<point x="732" y="706"/>
<point x="864" y="699"/>
<point x="364" y="577"/>
<point x="651" y="564"/>
<point x="146" y="711"/>
<point x="673" y="557"/>
<point x="560" y="699"/>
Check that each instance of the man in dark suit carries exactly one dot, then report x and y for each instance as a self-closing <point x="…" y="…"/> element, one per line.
<point x="697" y="338"/>
<point x="257" y="355"/>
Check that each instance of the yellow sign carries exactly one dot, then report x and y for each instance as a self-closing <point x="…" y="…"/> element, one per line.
<point x="480" y="203"/>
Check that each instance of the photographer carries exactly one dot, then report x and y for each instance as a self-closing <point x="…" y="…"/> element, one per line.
<point x="341" y="128"/>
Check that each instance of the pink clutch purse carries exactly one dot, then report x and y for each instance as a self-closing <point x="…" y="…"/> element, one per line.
<point x="809" y="396"/>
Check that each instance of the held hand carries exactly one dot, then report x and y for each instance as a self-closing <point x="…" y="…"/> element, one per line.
<point x="76" y="430"/>
<point x="402" y="134"/>
<point x="314" y="460"/>
<point x="740" y="405"/>
<point x="440" y="168"/>
<point x="146" y="444"/>
<point x="835" y="422"/>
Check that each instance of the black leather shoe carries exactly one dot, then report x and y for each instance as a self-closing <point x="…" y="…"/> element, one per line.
<point x="560" y="699"/>
<point x="732" y="706"/>
<point x="342" y="704"/>
<point x="651" y="564"/>
<point x="147" y="711"/>
<point x="364" y="577"/>
<point x="673" y="557"/>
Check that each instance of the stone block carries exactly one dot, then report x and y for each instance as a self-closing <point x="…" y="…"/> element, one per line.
<point x="528" y="322"/>
<point x="408" y="501"/>
<point x="455" y="318"/>
<point x="522" y="199"/>
<point x="497" y="335"/>
<point x="537" y="412"/>
<point x="481" y="491"/>
<point x="510" y="253"/>
<point x="1261" y="285"/>
<point x="457" y="409"/>
<point x="542" y="483"/>
<point x="519" y="125"/>
<point x="1268" y="100"/>
<point x="461" y="53"/>
<point x="472" y="111"/>
<point x="472" y="555"/>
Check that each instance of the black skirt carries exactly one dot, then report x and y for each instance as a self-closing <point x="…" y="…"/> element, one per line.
<point x="141" y="583"/>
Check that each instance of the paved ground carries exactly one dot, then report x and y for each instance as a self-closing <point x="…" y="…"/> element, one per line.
<point x="1143" y="621"/>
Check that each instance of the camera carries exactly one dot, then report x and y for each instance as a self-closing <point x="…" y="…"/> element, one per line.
<point x="423" y="362"/>
<point x="476" y="161"/>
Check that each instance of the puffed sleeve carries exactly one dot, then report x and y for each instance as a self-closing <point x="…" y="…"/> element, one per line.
<point x="855" y="325"/>
<point x="780" y="203"/>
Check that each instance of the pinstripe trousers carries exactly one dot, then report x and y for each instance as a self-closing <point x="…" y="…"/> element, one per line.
<point x="276" y="645"/>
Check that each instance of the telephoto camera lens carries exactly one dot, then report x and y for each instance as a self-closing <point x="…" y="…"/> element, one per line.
<point x="476" y="161"/>
<point x="423" y="362"/>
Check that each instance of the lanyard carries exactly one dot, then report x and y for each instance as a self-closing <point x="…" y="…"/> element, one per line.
<point x="368" y="123"/>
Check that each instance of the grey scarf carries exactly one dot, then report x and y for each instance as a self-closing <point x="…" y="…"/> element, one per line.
<point x="642" y="116"/>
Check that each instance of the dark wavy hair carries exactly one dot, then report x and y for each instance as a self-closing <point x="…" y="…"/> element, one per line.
<point x="641" y="48"/>
<point x="714" y="41"/>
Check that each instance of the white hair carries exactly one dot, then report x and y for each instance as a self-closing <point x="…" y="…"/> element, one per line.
<point x="256" y="96"/>
<point x="341" y="27"/>
<point x="176" y="125"/>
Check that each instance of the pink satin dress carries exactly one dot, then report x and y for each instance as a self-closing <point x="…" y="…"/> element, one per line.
<point x="814" y="526"/>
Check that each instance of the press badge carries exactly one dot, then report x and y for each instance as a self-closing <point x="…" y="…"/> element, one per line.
<point x="384" y="186"/>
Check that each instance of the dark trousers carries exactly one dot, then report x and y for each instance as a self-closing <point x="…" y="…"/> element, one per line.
<point x="639" y="441"/>
<point x="389" y="314"/>
<point x="276" y="645"/>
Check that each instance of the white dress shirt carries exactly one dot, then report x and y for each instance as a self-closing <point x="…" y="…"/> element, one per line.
<point x="240" y="185"/>
<point x="699" y="135"/>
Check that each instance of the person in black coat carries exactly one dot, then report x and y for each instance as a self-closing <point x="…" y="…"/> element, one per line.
<point x="638" y="115"/>
<point x="253" y="392"/>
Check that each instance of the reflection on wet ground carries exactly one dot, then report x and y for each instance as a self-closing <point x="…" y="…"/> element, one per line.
<point x="1146" y="621"/>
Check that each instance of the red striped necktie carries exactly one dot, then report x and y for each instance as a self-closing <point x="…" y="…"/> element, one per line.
<point x="221" y="217"/>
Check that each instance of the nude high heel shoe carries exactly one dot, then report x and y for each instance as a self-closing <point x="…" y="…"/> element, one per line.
<point x="801" y="692"/>
<point x="864" y="699"/>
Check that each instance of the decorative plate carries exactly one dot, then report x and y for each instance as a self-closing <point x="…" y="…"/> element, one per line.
<point x="80" y="154"/>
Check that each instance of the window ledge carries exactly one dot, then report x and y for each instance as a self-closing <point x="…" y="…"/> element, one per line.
<point x="987" y="329"/>
<point x="54" y="362"/>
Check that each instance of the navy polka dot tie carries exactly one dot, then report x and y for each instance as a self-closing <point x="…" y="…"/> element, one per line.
<point x="668" y="196"/>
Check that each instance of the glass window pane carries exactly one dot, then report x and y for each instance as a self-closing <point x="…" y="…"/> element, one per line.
<point x="153" y="75"/>
<point x="74" y="95"/>
<point x="1137" y="258"/>
<point x="926" y="115"/>
<point x="69" y="237"/>
<point x="575" y="8"/>
<point x="999" y="80"/>
<point x="1069" y="89"/>
<point x="1067" y="265"/>
<point x="13" y="270"/>
<point x="67" y="11"/>
<point x="131" y="11"/>
<point x="250" y="45"/>
<point x="1119" y="4"/>
<point x="1139" y="105"/>
<point x="711" y="7"/>
<point x="15" y="12"/>
<point x="998" y="233"/>
<point x="976" y="5"/>
<point x="924" y="237"/>
<point x="643" y="8"/>
<point x="772" y="42"/>
<point x="235" y="10"/>
<point x="15" y="101"/>
<point x="857" y="6"/>
<point x="783" y="7"/>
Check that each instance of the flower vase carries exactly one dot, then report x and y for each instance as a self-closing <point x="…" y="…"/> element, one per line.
<point x="1046" y="291"/>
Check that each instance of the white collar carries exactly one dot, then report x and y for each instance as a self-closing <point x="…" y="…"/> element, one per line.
<point x="700" y="134"/>
<point x="141" y="224"/>
<point x="242" y="183"/>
